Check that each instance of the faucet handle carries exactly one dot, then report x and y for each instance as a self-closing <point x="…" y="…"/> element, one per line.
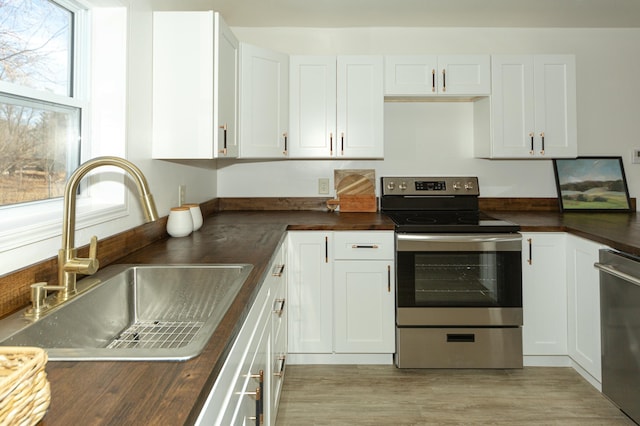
<point x="93" y="248"/>
<point x="93" y="264"/>
<point x="85" y="266"/>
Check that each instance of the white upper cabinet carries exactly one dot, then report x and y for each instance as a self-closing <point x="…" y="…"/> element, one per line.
<point x="336" y="107"/>
<point x="264" y="103"/>
<point x="532" y="109"/>
<point x="195" y="86"/>
<point x="430" y="75"/>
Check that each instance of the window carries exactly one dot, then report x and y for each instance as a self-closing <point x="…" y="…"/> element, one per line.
<point x="66" y="107"/>
<point x="39" y="106"/>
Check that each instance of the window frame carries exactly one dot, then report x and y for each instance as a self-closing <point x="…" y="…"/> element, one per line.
<point x="34" y="222"/>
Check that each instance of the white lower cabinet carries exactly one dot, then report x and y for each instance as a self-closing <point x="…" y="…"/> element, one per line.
<point x="364" y="312"/>
<point x="544" y="295"/>
<point x="310" y="293"/>
<point x="342" y="297"/>
<point x="561" y="303"/>
<point x="250" y="381"/>
<point x="583" y="306"/>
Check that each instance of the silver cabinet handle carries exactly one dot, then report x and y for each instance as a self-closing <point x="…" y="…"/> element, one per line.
<point x="281" y="360"/>
<point x="277" y="270"/>
<point x="280" y="309"/>
<point x="364" y="246"/>
<point x="612" y="270"/>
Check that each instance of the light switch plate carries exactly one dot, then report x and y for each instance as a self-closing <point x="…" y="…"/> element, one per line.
<point x="635" y="156"/>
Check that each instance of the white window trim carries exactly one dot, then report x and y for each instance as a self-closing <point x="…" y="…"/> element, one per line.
<point x="103" y="128"/>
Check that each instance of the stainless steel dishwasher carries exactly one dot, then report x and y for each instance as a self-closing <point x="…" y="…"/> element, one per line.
<point x="620" y="329"/>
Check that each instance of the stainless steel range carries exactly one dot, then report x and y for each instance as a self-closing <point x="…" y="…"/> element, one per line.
<point x="458" y="276"/>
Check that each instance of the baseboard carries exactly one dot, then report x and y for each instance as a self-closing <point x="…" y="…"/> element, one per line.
<point x="335" y="359"/>
<point x="546" y="361"/>
<point x="585" y="374"/>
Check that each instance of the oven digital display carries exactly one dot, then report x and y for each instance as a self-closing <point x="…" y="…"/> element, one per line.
<point x="430" y="185"/>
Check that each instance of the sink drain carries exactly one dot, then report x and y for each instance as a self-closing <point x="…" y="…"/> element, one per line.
<point x="157" y="334"/>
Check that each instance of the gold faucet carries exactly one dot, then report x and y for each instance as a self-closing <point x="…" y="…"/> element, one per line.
<point x="68" y="264"/>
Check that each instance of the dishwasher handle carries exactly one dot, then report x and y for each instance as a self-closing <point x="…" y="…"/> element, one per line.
<point x="612" y="270"/>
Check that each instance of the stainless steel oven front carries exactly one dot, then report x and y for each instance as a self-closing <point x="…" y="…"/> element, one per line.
<point x="459" y="300"/>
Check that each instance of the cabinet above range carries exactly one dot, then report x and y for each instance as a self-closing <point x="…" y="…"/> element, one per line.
<point x="444" y="75"/>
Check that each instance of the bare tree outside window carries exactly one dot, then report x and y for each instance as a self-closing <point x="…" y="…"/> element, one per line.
<point x="38" y="138"/>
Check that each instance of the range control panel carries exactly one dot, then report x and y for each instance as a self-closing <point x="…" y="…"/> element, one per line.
<point x="430" y="186"/>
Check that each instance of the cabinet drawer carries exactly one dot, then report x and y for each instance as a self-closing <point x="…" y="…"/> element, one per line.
<point x="363" y="245"/>
<point x="242" y="403"/>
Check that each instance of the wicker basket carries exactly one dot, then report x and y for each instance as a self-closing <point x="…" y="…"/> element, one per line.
<point x="24" y="388"/>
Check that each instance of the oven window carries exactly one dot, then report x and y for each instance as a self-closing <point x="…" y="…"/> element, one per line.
<point x="459" y="279"/>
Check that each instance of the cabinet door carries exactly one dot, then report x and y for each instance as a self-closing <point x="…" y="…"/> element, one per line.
<point x="429" y="75"/>
<point x="364" y="303"/>
<point x="544" y="294"/>
<point x="533" y="107"/>
<point x="226" y="94"/>
<point x="264" y="113"/>
<point x="584" y="304"/>
<point x="310" y="293"/>
<point x="555" y="106"/>
<point x="464" y="75"/>
<point x="410" y="75"/>
<point x="230" y="398"/>
<point x="360" y="107"/>
<point x="195" y="90"/>
<point x="183" y="85"/>
<point x="254" y="394"/>
<point x="512" y="107"/>
<point x="312" y="106"/>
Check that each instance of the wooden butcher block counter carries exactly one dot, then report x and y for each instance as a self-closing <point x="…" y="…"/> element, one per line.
<point x="172" y="393"/>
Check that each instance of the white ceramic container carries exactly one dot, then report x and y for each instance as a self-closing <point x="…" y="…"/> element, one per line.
<point x="180" y="222"/>
<point x="196" y="215"/>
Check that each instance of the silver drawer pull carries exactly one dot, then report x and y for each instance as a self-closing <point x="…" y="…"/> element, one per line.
<point x="281" y="360"/>
<point x="280" y="309"/>
<point x="278" y="270"/>
<point x="366" y="246"/>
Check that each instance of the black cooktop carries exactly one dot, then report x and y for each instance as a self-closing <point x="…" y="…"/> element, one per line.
<point x="448" y="221"/>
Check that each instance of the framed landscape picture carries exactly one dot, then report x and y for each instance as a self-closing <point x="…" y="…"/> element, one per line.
<point x="592" y="184"/>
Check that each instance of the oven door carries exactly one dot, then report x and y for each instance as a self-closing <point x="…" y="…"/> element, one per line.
<point x="466" y="272"/>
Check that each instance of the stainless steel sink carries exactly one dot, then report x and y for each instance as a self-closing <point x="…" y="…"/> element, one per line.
<point x="134" y="313"/>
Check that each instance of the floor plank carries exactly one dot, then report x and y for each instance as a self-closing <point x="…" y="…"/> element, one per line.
<point x="385" y="395"/>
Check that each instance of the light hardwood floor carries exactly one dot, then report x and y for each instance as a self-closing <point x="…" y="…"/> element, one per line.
<point x="385" y="395"/>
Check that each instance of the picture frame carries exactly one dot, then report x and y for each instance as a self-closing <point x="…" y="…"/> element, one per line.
<point x="591" y="184"/>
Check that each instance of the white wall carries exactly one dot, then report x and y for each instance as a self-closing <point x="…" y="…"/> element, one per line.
<point x="436" y="138"/>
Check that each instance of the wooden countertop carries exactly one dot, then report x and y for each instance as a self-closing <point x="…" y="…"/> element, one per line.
<point x="172" y="393"/>
<point x="617" y="230"/>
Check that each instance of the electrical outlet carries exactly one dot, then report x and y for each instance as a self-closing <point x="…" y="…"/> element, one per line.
<point x="182" y="194"/>
<point x="323" y="186"/>
<point x="635" y="156"/>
